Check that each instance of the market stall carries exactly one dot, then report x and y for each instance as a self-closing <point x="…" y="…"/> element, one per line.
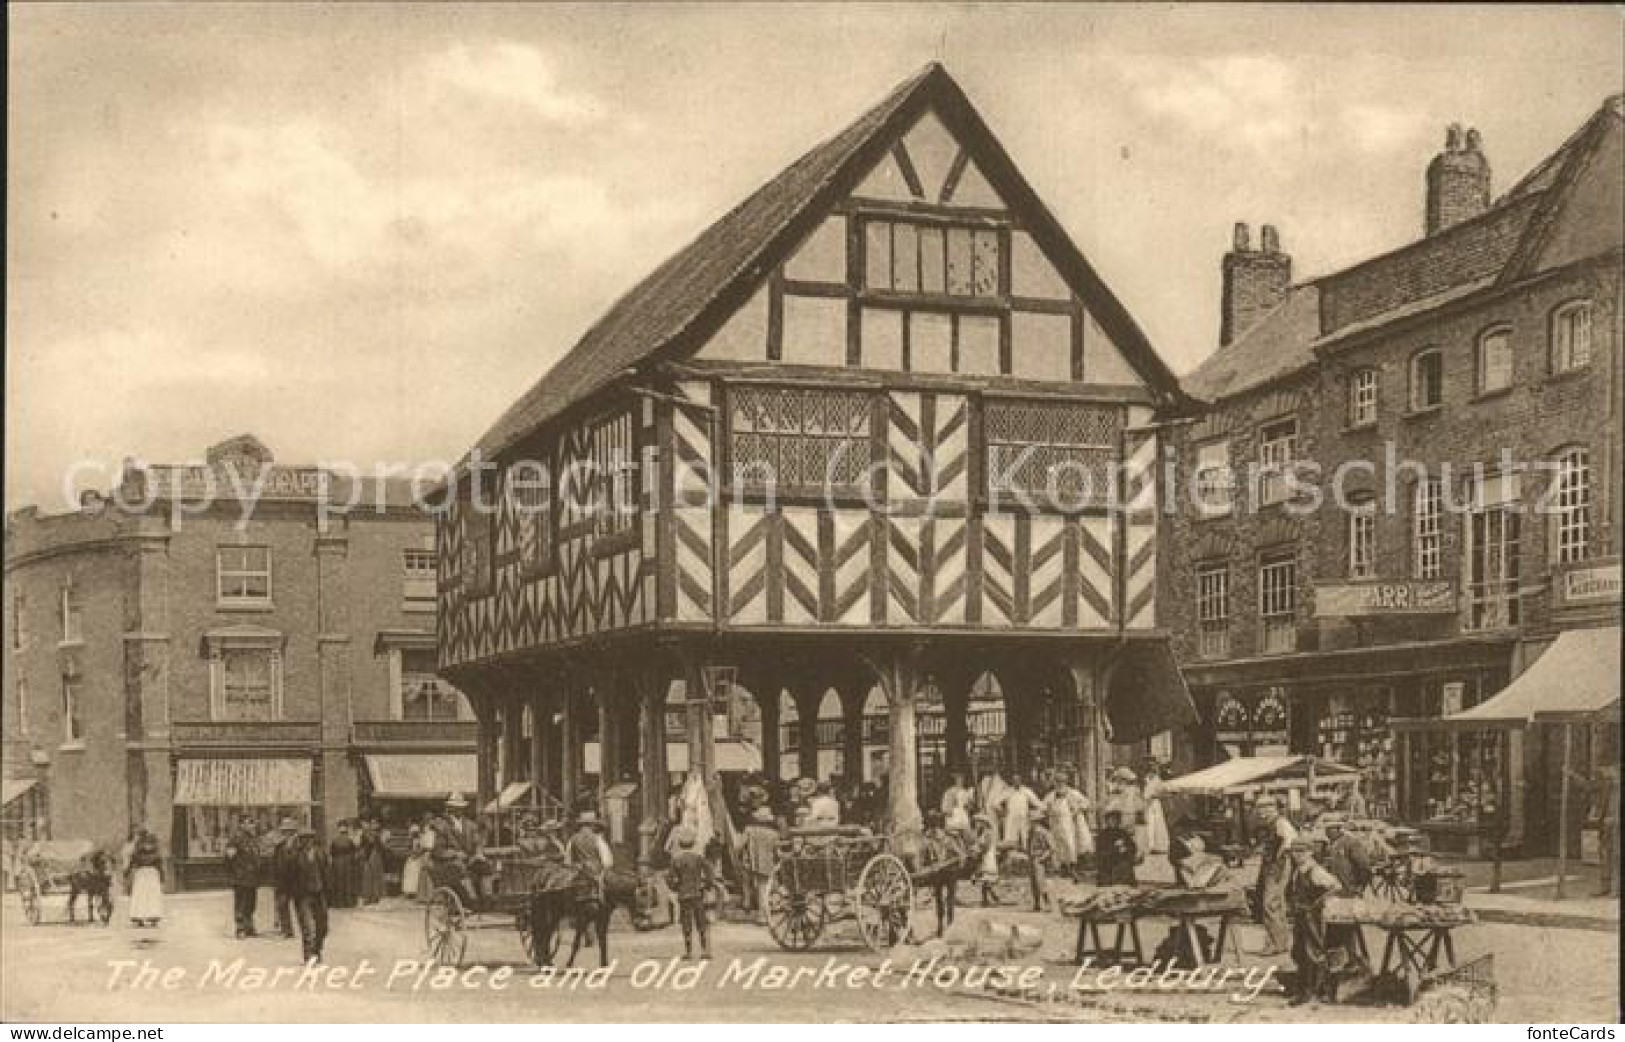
<point x="1233" y="786"/>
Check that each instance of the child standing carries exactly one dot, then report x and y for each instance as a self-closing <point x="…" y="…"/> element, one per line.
<point x="690" y="879"/>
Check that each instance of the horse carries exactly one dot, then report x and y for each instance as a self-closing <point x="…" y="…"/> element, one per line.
<point x="589" y="906"/>
<point x="93" y="877"/>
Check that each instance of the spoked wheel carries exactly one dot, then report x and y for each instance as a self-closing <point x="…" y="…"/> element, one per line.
<point x="796" y="920"/>
<point x="885" y="902"/>
<point x="28" y="889"/>
<point x="444" y="928"/>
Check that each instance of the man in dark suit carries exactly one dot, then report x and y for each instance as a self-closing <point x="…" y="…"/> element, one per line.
<point x="281" y="858"/>
<point x="243" y="869"/>
<point x="307" y="882"/>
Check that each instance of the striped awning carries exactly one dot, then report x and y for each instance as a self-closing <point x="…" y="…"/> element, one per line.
<point x="423" y="776"/>
<point x="221" y="782"/>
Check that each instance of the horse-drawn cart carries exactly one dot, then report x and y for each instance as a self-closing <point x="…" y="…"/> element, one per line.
<point x="71" y="866"/>
<point x="829" y="875"/>
<point x="450" y="916"/>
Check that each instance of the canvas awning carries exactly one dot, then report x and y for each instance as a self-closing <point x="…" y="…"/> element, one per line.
<point x="511" y="794"/>
<point x="221" y="782"/>
<point x="1249" y="774"/>
<point x="1146" y="694"/>
<point x="1577" y="676"/>
<point x="734" y="755"/>
<point x="422" y="776"/>
<point x="15" y="789"/>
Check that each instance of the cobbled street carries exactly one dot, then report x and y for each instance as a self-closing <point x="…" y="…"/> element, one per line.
<point x="56" y="972"/>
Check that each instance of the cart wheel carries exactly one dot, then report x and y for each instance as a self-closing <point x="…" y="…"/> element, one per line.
<point x="885" y="902"/>
<point x="794" y="919"/>
<point x="28" y="888"/>
<point x="443" y="927"/>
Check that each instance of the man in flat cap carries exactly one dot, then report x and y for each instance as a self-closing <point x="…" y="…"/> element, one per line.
<point x="1274" y="871"/>
<point x="1306" y="900"/>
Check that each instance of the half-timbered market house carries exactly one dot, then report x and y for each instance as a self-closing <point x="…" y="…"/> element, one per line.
<point x="881" y="431"/>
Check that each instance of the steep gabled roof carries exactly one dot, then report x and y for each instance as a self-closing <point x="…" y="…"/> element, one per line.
<point x="693" y="292"/>
<point x="1474" y="256"/>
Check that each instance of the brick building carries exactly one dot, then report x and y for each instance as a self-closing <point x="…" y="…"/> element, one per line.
<point x="170" y="664"/>
<point x="1455" y="405"/>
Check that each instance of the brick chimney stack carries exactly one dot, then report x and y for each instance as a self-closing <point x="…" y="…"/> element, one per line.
<point x="1458" y="180"/>
<point x="1255" y="282"/>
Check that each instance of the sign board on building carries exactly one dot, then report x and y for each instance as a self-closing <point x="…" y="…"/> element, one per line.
<point x="1405" y="597"/>
<point x="222" y="482"/>
<point x="1590" y="584"/>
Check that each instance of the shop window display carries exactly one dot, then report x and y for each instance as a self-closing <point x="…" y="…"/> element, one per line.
<point x="208" y="829"/>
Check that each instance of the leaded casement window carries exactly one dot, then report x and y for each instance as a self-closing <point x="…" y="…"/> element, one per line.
<point x="243" y="575"/>
<point x="1213" y="610"/>
<point x="1215" y="480"/>
<point x="1278" y="603"/>
<point x="930" y="259"/>
<point x="1363" y="397"/>
<point x="1571" y="505"/>
<point x="803" y="441"/>
<point x="1427" y="529"/>
<point x="1050" y="454"/>
<point x="1493" y="532"/>
<point x="1427" y="380"/>
<point x="614" y="474"/>
<point x="1494" y="360"/>
<point x="478" y="563"/>
<point x="530" y="497"/>
<point x="1571" y="336"/>
<point x="1277" y="449"/>
<point x="1362" y="538"/>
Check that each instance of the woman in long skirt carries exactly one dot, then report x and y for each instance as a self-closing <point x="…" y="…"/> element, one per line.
<point x="146" y="882"/>
<point x="1062" y="825"/>
<point x="341" y="857"/>
<point x="372" y="867"/>
<point x="1156" y="821"/>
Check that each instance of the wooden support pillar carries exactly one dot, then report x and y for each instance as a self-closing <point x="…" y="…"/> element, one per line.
<point x="771" y="753"/>
<point x="649" y="686"/>
<point x="1563" y="807"/>
<point x="569" y="759"/>
<point x="853" y="695"/>
<point x="900" y="676"/>
<point x="485" y="713"/>
<point x="956" y="722"/>
<point x="1517" y="789"/>
<point x="540" y="753"/>
<point x="1088" y="687"/>
<point x="808" y="698"/>
<point x="609" y="738"/>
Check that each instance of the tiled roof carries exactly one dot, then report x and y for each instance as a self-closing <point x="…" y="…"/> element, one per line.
<point x="1462" y="260"/>
<point x="698" y="287"/>
<point x="1270" y="348"/>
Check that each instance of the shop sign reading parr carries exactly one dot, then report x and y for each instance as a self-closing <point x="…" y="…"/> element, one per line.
<point x="1342" y="600"/>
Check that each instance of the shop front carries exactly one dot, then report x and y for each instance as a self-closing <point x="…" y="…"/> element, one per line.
<point x="1337" y="705"/>
<point x="400" y="788"/>
<point x="1520" y="767"/>
<point x="213" y="794"/>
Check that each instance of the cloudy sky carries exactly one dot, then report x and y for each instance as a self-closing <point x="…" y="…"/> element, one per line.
<point x="360" y="231"/>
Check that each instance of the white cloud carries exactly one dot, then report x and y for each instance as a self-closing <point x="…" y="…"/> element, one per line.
<point x="514" y="73"/>
<point x="1253" y="100"/>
